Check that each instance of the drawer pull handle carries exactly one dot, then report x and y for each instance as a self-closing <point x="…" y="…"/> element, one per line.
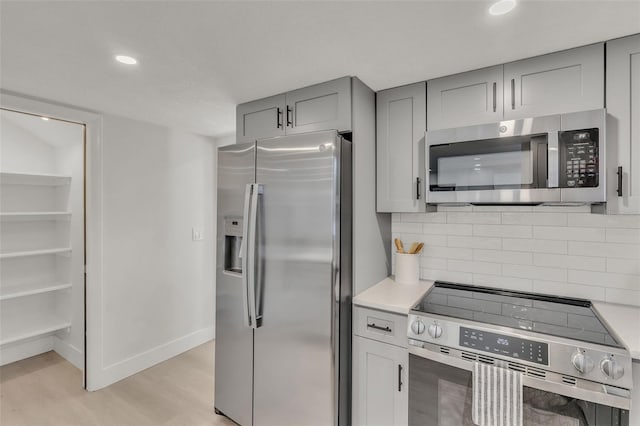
<point x="377" y="327"/>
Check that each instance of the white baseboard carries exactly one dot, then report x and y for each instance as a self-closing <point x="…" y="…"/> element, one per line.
<point x="69" y="352"/>
<point x="125" y="368"/>
<point x="17" y="351"/>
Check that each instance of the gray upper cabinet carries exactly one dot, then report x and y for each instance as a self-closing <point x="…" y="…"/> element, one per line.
<point x="561" y="82"/>
<point x="401" y="125"/>
<point x="623" y="125"/>
<point x="263" y="118"/>
<point x="472" y="97"/>
<point x="324" y="106"/>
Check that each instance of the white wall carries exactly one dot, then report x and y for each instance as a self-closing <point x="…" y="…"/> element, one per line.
<point x="555" y="250"/>
<point x="157" y="284"/>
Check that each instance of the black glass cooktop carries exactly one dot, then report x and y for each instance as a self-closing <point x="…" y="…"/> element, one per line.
<point x="557" y="316"/>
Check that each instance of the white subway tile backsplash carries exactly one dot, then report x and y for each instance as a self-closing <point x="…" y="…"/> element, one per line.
<point x="536" y="246"/>
<point x="622" y="251"/>
<point x="448" y="253"/>
<point x="433" y="263"/>
<point x="610" y="279"/>
<point x="474" y="242"/>
<point x="569" y="290"/>
<point x="568" y="234"/>
<point x="624" y="266"/>
<point x="539" y="272"/>
<point x="436" y="217"/>
<point x="623" y="235"/>
<point x="511" y="231"/>
<point x="453" y="276"/>
<point x="407" y="228"/>
<point x="442" y="208"/>
<point x="500" y="256"/>
<point x="548" y="219"/>
<point x="626" y="297"/>
<point x="548" y="249"/>
<point x="511" y="283"/>
<point x="447" y="229"/>
<point x="473" y="217"/>
<point x="476" y="267"/>
<point x="586" y="263"/>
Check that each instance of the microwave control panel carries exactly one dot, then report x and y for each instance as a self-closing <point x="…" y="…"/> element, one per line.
<point x="579" y="158"/>
<point x="499" y="344"/>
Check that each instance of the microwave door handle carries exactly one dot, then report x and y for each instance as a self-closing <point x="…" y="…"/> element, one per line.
<point x="553" y="163"/>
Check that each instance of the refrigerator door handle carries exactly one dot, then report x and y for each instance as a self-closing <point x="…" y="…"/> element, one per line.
<point x="244" y="254"/>
<point x="256" y="190"/>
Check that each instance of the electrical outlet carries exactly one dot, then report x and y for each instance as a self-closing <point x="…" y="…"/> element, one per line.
<point x="197" y="234"/>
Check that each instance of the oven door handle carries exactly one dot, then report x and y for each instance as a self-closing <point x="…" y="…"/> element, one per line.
<point x="596" y="393"/>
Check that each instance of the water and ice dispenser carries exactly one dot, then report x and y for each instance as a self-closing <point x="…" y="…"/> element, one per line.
<point x="232" y="244"/>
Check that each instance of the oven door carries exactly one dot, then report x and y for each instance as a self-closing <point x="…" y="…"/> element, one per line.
<point x="440" y="394"/>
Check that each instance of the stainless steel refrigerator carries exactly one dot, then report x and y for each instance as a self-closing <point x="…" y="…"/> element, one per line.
<point x="283" y="295"/>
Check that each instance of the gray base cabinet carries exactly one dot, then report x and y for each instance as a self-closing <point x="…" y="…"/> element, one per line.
<point x="324" y="106"/>
<point x="561" y="82"/>
<point x="623" y="125"/>
<point x="401" y="125"/>
<point x="380" y="363"/>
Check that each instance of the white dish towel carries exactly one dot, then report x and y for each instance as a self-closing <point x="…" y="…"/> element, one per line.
<point x="497" y="396"/>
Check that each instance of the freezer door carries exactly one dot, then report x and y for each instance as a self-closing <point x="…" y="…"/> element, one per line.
<point x="234" y="339"/>
<point x="298" y="252"/>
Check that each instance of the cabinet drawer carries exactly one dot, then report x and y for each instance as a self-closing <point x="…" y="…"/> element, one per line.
<point x="381" y="326"/>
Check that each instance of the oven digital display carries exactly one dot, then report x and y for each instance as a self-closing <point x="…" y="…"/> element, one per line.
<point x="498" y="344"/>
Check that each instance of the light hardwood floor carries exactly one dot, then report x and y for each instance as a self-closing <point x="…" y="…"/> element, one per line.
<point x="47" y="390"/>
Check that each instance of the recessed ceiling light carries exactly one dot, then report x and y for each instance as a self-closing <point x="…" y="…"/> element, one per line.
<point x="45" y="118"/>
<point x="128" y="60"/>
<point x="502" y="7"/>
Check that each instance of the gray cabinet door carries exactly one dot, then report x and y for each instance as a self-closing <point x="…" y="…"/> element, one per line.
<point x="380" y="384"/>
<point x="401" y="125"/>
<point x="324" y="106"/>
<point x="264" y="118"/>
<point x="623" y="124"/>
<point x="561" y="82"/>
<point x="472" y="97"/>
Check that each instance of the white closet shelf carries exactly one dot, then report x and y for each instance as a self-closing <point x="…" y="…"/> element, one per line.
<point x="31" y="326"/>
<point x="33" y="179"/>
<point x="33" y="216"/>
<point x="15" y="291"/>
<point x="9" y="255"/>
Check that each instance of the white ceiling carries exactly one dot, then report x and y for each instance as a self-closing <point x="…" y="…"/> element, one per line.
<point x="197" y="60"/>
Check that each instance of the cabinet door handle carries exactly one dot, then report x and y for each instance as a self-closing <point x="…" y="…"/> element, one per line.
<point x="619" y="173"/>
<point x="513" y="93"/>
<point x="399" y="378"/>
<point x="495" y="88"/>
<point x="289" y="117"/>
<point x="279" y="118"/>
<point x="377" y="327"/>
<point x="417" y="188"/>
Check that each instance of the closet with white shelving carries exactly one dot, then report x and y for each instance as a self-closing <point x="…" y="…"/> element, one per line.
<point x="42" y="241"/>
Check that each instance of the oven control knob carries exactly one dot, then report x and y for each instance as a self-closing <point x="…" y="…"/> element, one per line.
<point x="611" y="368"/>
<point x="582" y="362"/>
<point x="417" y="327"/>
<point x="435" y="330"/>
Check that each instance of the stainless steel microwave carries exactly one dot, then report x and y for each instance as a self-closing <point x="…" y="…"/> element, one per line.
<point x="551" y="159"/>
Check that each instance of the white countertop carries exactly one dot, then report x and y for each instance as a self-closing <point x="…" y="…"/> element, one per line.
<point x="625" y="322"/>
<point x="390" y="296"/>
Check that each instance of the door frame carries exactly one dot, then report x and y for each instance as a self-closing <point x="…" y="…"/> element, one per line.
<point x="92" y="218"/>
